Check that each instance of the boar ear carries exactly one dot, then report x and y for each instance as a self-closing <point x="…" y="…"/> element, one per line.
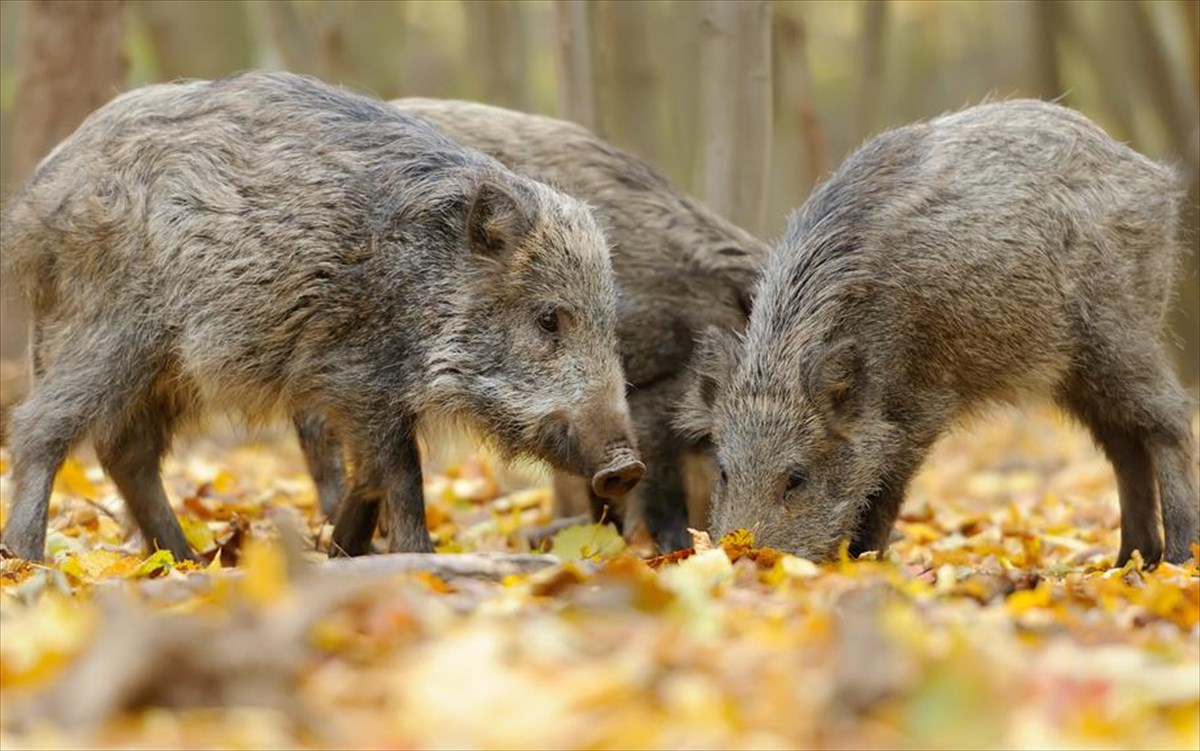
<point x="835" y="379"/>
<point x="713" y="361"/>
<point x="498" y="219"/>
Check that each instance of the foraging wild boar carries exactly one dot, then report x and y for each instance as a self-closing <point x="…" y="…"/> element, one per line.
<point x="1008" y="250"/>
<point x="266" y="243"/>
<point x="679" y="269"/>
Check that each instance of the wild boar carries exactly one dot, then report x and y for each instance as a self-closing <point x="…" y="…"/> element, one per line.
<point x="267" y="244"/>
<point x="1006" y="251"/>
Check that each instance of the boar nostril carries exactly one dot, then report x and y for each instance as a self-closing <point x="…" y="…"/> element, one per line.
<point x="616" y="481"/>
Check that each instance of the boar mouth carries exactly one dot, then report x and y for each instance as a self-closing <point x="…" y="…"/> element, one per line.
<point x="611" y="475"/>
<point x="554" y="442"/>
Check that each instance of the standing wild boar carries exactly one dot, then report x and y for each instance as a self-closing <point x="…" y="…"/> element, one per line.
<point x="266" y="243"/>
<point x="679" y="267"/>
<point x="1008" y="250"/>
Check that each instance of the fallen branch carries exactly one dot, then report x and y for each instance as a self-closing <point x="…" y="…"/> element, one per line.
<point x="488" y="567"/>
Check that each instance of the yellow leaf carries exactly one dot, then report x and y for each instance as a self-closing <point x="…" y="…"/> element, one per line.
<point x="222" y="482"/>
<point x="125" y="568"/>
<point x="91" y="565"/>
<point x="198" y="533"/>
<point x="920" y="533"/>
<point x="39" y="642"/>
<point x="159" y="560"/>
<point x="586" y="541"/>
<point x="266" y="572"/>
<point x="737" y="538"/>
<point x="72" y="480"/>
<point x="1028" y="599"/>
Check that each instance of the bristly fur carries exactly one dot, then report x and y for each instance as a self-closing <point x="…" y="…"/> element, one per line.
<point x="1006" y="250"/>
<point x="266" y="243"/>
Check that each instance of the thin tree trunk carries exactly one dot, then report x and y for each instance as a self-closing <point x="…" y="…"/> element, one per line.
<point x="496" y="46"/>
<point x="681" y="79"/>
<point x="1191" y="22"/>
<point x="871" y="59"/>
<point x="70" y="64"/>
<point x="1044" y="25"/>
<point x="796" y="112"/>
<point x="1158" y="76"/>
<point x="573" y="63"/>
<point x="1170" y="98"/>
<point x="196" y="40"/>
<point x="735" y="109"/>
<point x="1106" y="54"/>
<point x="630" y="104"/>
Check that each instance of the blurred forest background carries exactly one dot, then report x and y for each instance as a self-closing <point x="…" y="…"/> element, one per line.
<point x="745" y="104"/>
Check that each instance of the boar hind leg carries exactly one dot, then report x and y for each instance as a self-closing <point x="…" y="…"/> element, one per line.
<point x="391" y="476"/>
<point x="1173" y="451"/>
<point x="1140" y="522"/>
<point x="357" y="515"/>
<point x="1124" y="444"/>
<point x="38" y="448"/>
<point x="132" y="457"/>
<point x="80" y="388"/>
<point x="323" y="454"/>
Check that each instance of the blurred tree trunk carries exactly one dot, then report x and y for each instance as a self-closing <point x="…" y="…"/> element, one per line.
<point x="310" y="40"/>
<point x="71" y="62"/>
<point x="871" y="58"/>
<point x="359" y="45"/>
<point x="197" y="40"/>
<point x="573" y="62"/>
<point x="1191" y="22"/>
<point x="803" y="137"/>
<point x="1044" y="24"/>
<point x="680" y="50"/>
<point x="629" y="106"/>
<point x="1105" y="52"/>
<point x="735" y="108"/>
<point x="1158" y="76"/>
<point x="1169" y="97"/>
<point x="496" y="46"/>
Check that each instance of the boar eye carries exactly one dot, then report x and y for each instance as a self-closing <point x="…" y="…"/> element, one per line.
<point x="722" y="474"/>
<point x="548" y="321"/>
<point x="796" y="480"/>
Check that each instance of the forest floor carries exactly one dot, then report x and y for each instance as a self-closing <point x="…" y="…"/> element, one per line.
<point x="995" y="622"/>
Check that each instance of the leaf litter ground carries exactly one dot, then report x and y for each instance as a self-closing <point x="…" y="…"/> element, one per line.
<point x="995" y="621"/>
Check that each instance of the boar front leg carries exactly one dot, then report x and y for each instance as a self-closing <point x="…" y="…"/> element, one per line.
<point x="406" y="501"/>
<point x="665" y="504"/>
<point x="874" y="530"/>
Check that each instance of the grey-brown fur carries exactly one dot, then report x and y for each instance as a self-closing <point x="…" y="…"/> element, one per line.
<point x="1005" y="251"/>
<point x="268" y="244"/>
<point x="680" y="268"/>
